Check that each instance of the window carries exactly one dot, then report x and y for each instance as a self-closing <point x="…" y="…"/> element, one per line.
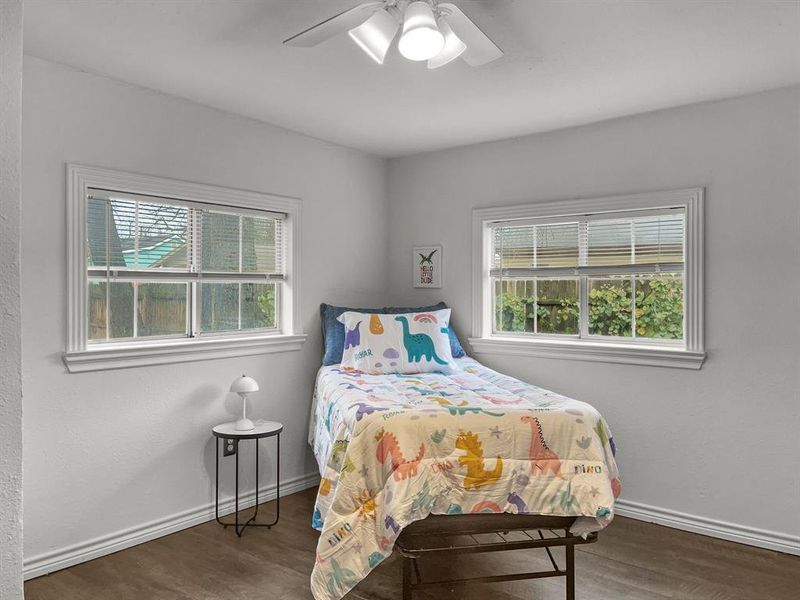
<point x="614" y="279"/>
<point x="166" y="271"/>
<point x="160" y="268"/>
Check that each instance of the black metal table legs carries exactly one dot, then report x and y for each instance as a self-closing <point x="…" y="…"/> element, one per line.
<point x="251" y="522"/>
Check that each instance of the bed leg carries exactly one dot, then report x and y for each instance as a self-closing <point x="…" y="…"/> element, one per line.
<point x="570" y="552"/>
<point x="407" y="578"/>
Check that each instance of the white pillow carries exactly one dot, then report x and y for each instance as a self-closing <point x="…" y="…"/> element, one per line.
<point x="405" y="343"/>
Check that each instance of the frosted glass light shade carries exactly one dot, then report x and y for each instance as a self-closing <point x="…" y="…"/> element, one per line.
<point x="453" y="47"/>
<point x="375" y="35"/>
<point x="244" y="385"/>
<point x="421" y="39"/>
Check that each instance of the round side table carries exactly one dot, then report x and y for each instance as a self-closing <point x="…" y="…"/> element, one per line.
<point x="265" y="429"/>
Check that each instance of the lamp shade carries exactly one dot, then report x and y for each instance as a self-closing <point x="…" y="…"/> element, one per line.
<point x="421" y="39"/>
<point x="453" y="47"/>
<point x="375" y="35"/>
<point x="244" y="385"/>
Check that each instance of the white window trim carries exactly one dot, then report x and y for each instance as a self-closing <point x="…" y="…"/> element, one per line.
<point x="81" y="356"/>
<point x="483" y="341"/>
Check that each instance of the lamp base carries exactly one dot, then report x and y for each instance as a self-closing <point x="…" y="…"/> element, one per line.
<point x="244" y="425"/>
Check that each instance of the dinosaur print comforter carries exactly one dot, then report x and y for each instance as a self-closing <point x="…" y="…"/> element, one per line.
<point x="393" y="449"/>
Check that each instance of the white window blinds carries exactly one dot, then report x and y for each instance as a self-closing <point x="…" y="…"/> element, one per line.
<point x="129" y="234"/>
<point x="641" y="242"/>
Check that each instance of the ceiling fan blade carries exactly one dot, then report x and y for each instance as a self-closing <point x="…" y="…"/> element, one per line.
<point x="340" y="23"/>
<point x="480" y="49"/>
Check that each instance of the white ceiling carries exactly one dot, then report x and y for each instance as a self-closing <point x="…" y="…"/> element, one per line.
<point x="566" y="63"/>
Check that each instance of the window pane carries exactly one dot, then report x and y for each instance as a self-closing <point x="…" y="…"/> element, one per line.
<point x="558" y="305"/>
<point x="513" y="246"/>
<point x="122" y="234"/>
<point x="259" y="245"/>
<point x="610" y="242"/>
<point x="97" y="310"/>
<point x="529" y="246"/>
<point x="639" y="240"/>
<point x="161" y="309"/>
<point x="514" y="305"/>
<point x="258" y="305"/>
<point x="610" y="306"/>
<point x="162" y="235"/>
<point x="109" y="231"/>
<point x="220" y="242"/>
<point x="557" y="245"/>
<point x="658" y="239"/>
<point x="220" y="306"/>
<point x="120" y="317"/>
<point x="659" y="306"/>
<point x="133" y="234"/>
<point x="96" y="233"/>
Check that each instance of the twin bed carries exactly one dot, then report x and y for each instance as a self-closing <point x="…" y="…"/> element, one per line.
<point x="502" y="454"/>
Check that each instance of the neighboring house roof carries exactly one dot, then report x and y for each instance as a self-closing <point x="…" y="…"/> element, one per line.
<point x="153" y="251"/>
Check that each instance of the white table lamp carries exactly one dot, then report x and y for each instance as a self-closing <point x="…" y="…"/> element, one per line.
<point x="244" y="386"/>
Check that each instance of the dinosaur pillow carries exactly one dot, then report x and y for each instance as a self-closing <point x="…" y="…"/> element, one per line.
<point x="398" y="343"/>
<point x="333" y="330"/>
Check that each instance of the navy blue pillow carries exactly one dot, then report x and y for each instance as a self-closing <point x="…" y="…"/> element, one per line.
<point x="455" y="346"/>
<point x="333" y="330"/>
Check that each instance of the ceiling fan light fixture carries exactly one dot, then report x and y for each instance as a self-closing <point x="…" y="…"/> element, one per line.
<point x="453" y="47"/>
<point x="375" y="35"/>
<point x="421" y="39"/>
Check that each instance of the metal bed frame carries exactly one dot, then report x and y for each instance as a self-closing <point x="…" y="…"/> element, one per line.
<point x="445" y="534"/>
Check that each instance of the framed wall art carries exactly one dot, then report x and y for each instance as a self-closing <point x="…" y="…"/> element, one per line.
<point x="427" y="266"/>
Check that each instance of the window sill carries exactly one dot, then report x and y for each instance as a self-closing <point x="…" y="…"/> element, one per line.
<point x="142" y="355"/>
<point x="656" y="356"/>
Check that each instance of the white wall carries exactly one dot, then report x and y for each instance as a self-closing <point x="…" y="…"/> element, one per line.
<point x="114" y="450"/>
<point x="10" y="320"/>
<point x="110" y="456"/>
<point x="720" y="444"/>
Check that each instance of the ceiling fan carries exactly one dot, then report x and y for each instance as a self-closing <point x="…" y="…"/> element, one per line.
<point x="438" y="32"/>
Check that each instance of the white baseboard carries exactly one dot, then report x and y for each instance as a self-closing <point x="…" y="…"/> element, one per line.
<point x="62" y="558"/>
<point x="772" y="540"/>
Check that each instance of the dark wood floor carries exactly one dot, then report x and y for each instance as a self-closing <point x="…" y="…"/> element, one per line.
<point x="632" y="560"/>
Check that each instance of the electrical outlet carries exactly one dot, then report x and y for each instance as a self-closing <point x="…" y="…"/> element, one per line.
<point x="230" y="447"/>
